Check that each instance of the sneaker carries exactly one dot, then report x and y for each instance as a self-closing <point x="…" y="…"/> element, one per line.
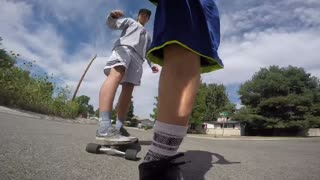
<point x="164" y="169"/>
<point x="124" y="132"/>
<point x="111" y="134"/>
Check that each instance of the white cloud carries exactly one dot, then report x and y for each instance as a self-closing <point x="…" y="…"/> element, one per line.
<point x="262" y="33"/>
<point x="14" y="12"/>
<point x="42" y="44"/>
<point x="257" y="50"/>
<point x="82" y="11"/>
<point x="258" y="15"/>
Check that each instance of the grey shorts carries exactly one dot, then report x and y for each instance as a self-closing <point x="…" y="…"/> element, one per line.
<point x="128" y="58"/>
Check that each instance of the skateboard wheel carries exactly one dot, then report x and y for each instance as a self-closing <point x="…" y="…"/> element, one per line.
<point x="131" y="154"/>
<point x="93" y="148"/>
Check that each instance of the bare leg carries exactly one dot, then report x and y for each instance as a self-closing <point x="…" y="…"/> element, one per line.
<point x="107" y="93"/>
<point x="109" y="88"/>
<point x="124" y="100"/>
<point x="179" y="82"/>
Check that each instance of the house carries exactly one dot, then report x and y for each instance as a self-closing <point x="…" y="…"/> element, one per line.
<point x="146" y="124"/>
<point x="223" y="127"/>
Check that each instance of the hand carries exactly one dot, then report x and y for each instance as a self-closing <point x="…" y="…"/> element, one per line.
<point x="116" y="14"/>
<point x="155" y="69"/>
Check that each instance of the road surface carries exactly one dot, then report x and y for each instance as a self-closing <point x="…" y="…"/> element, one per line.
<point x="33" y="148"/>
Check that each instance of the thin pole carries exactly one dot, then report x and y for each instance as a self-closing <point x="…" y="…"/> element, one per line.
<point x="85" y="72"/>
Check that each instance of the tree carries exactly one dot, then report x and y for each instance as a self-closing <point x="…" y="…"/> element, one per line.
<point x="6" y="61"/>
<point x="114" y="114"/>
<point x="199" y="110"/>
<point x="280" y="98"/>
<point x="90" y="109"/>
<point x="130" y="113"/>
<point x="154" y="115"/>
<point x="84" y="106"/>
<point x="217" y="101"/>
<point x="210" y="101"/>
<point x="97" y="113"/>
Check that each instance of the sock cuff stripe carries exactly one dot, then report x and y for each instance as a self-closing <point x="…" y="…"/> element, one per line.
<point x="151" y="156"/>
<point x="169" y="141"/>
<point x="165" y="147"/>
<point x="161" y="151"/>
<point x="168" y="135"/>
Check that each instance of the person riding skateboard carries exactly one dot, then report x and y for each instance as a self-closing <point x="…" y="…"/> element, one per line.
<point x="124" y="67"/>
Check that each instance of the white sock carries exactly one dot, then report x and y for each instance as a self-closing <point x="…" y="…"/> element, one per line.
<point x="119" y="124"/>
<point x="166" y="141"/>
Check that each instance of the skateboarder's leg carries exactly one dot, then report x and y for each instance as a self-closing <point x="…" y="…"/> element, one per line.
<point x="109" y="88"/>
<point x="117" y="68"/>
<point x="131" y="78"/>
<point x="179" y="82"/>
<point x="198" y="35"/>
<point x="123" y="104"/>
<point x="107" y="93"/>
<point x="106" y="97"/>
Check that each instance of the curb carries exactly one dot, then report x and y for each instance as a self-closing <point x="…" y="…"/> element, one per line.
<point x="28" y="114"/>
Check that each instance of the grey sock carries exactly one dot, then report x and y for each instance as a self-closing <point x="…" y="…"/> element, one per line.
<point x="105" y="122"/>
<point x="166" y="141"/>
<point x="119" y="124"/>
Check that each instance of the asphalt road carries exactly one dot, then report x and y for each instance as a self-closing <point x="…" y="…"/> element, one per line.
<point x="32" y="148"/>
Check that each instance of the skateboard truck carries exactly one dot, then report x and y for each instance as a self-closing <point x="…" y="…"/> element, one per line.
<point x="114" y="149"/>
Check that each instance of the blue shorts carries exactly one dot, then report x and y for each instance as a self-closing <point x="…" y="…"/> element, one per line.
<point x="193" y="24"/>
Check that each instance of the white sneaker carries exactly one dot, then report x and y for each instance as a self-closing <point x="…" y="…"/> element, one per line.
<point x="111" y="134"/>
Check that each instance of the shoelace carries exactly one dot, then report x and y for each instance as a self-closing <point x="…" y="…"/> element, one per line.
<point x="124" y="132"/>
<point x="110" y="131"/>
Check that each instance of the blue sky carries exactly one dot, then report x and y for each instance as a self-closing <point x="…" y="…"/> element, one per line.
<point x="63" y="35"/>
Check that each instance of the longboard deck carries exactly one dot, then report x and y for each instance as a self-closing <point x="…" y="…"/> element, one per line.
<point x="115" y="143"/>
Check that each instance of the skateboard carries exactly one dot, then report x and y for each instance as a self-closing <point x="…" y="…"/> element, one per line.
<point x="126" y="149"/>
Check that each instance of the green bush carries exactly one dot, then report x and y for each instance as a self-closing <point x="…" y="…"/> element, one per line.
<point x="18" y="89"/>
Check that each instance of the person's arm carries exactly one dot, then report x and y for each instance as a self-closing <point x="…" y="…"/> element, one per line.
<point x="115" y="20"/>
<point x="151" y="65"/>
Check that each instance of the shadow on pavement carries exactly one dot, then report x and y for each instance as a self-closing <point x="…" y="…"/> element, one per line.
<point x="201" y="163"/>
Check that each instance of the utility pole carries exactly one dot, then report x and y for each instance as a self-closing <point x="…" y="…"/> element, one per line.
<point x="223" y="128"/>
<point x="85" y="72"/>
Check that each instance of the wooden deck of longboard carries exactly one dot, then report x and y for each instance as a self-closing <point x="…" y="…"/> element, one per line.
<point x="115" y="143"/>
